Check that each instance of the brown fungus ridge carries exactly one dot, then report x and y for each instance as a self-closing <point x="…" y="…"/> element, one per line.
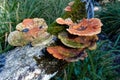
<point x="79" y="57"/>
<point x="65" y="53"/>
<point x="87" y="27"/>
<point x="75" y="41"/>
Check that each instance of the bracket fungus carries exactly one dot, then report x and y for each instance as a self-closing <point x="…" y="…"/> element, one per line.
<point x="87" y="27"/>
<point x="29" y="31"/>
<point x="74" y="41"/>
<point x="81" y="35"/>
<point x="17" y="38"/>
<point x="70" y="41"/>
<point x="66" y="53"/>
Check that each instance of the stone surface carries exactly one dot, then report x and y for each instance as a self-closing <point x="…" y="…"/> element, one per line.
<point x="20" y="64"/>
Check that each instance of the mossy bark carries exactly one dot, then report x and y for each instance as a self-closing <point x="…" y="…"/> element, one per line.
<point x="78" y="12"/>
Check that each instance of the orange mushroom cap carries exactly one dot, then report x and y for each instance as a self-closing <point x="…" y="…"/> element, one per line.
<point x="54" y="52"/>
<point x="28" y="22"/>
<point x="87" y="27"/>
<point x="32" y="23"/>
<point x="60" y="21"/>
<point x="65" y="53"/>
<point x="34" y="32"/>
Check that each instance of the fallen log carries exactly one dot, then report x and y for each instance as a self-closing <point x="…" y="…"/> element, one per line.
<point x="32" y="63"/>
<point x="21" y="64"/>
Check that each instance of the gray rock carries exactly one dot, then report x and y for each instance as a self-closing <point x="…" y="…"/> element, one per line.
<point x="20" y="64"/>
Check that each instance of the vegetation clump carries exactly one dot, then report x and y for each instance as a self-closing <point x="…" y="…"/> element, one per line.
<point x="99" y="65"/>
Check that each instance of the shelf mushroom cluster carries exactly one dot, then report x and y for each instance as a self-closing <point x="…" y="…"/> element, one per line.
<point x="76" y="39"/>
<point x="32" y="31"/>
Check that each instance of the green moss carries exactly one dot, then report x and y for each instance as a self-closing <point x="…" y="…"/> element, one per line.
<point x="50" y="64"/>
<point x="55" y="28"/>
<point x="78" y="12"/>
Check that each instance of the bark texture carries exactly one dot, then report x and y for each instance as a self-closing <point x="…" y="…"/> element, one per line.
<point x="21" y="64"/>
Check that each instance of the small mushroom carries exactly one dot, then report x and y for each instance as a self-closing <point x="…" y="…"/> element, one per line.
<point x="60" y="21"/>
<point x="65" y="53"/>
<point x="71" y="3"/>
<point x="67" y="21"/>
<point x="87" y="27"/>
<point x="68" y="9"/>
<point x="75" y="41"/>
